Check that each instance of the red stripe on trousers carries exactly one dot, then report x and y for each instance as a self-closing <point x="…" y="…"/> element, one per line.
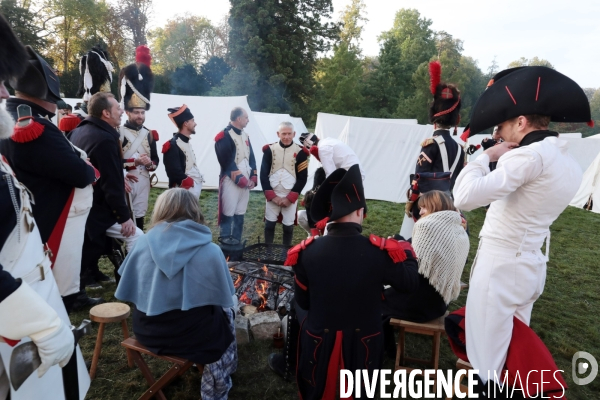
<point x="59" y="229"/>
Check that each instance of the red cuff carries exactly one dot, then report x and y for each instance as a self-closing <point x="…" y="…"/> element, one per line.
<point x="292" y="197"/>
<point x="253" y="179"/>
<point x="243" y="182"/>
<point x="187" y="183"/>
<point x="270" y="195"/>
<point x="96" y="175"/>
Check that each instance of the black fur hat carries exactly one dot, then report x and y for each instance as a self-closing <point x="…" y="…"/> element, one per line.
<point x="95" y="73"/>
<point x="136" y="81"/>
<point x="445" y="108"/>
<point x="13" y="57"/>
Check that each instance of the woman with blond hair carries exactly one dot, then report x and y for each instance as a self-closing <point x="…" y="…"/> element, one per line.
<point x="180" y="285"/>
<point x="442" y="246"/>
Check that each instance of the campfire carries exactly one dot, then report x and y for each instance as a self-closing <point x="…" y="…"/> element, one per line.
<point x="261" y="287"/>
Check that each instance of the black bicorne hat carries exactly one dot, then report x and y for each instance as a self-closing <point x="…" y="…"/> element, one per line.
<point x="180" y="114"/>
<point x="38" y="80"/>
<point x="95" y="73"/>
<point x="339" y="195"/>
<point x="136" y="81"/>
<point x="13" y="56"/>
<point x="445" y="108"/>
<point x="310" y="136"/>
<point x="530" y="91"/>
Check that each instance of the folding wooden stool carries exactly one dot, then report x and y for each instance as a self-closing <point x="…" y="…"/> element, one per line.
<point x="178" y="368"/>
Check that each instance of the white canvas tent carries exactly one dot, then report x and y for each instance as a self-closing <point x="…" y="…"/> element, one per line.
<point x="590" y="187"/>
<point x="331" y="125"/>
<point x="583" y="150"/>
<point x="387" y="152"/>
<point x="269" y="124"/>
<point x="212" y="115"/>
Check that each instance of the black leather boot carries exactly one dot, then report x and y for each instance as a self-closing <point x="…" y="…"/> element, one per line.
<point x="288" y="235"/>
<point x="238" y="227"/>
<point x="82" y="300"/>
<point x="225" y="226"/>
<point x="269" y="231"/>
<point x="139" y="222"/>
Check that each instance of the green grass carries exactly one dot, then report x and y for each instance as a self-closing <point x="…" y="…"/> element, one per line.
<point x="564" y="316"/>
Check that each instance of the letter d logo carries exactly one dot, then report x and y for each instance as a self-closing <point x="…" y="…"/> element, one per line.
<point x="582" y="367"/>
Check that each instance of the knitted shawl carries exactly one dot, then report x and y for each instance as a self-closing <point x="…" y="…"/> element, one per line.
<point x="442" y="247"/>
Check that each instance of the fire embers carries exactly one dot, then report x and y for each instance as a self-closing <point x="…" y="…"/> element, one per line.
<point x="261" y="288"/>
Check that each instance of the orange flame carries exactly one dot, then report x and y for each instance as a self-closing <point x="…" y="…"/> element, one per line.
<point x="261" y="290"/>
<point x="245" y="299"/>
<point x="237" y="282"/>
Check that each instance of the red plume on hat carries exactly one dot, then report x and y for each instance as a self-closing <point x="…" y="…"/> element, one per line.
<point x="435" y="75"/>
<point x="142" y="55"/>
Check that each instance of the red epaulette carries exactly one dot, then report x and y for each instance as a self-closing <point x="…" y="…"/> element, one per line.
<point x="219" y="136"/>
<point x="10" y="342"/>
<point x="166" y="146"/>
<point x="68" y="123"/>
<point x="265" y="147"/>
<point x="396" y="249"/>
<point x="292" y="255"/>
<point x="154" y="134"/>
<point x="27" y="131"/>
<point x="314" y="150"/>
<point x="304" y="149"/>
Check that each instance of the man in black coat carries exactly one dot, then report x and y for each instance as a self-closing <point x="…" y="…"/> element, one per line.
<point x="110" y="215"/>
<point x="339" y="281"/>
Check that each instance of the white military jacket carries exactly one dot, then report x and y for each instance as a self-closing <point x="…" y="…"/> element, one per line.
<point x="528" y="190"/>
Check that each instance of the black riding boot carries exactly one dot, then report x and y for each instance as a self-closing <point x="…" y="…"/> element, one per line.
<point x="288" y="234"/>
<point x="225" y="226"/>
<point x="284" y="364"/>
<point x="139" y="222"/>
<point x="238" y="227"/>
<point x="269" y="231"/>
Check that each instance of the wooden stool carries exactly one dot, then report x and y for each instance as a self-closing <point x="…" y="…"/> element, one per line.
<point x="180" y="365"/>
<point x="433" y="328"/>
<point x="104" y="314"/>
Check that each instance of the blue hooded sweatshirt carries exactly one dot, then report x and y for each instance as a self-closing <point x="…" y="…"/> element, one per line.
<point x="175" y="266"/>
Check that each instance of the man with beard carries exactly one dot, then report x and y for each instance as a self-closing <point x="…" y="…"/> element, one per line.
<point x="30" y="303"/>
<point x="178" y="154"/>
<point x="57" y="173"/>
<point x="139" y="143"/>
<point x="110" y="215"/>
<point x="534" y="181"/>
<point x="238" y="173"/>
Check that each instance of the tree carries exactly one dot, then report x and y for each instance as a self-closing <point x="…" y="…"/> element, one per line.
<point x="214" y="70"/>
<point x="23" y="22"/>
<point x="535" y="61"/>
<point x="185" y="40"/>
<point x="339" y="78"/>
<point x="135" y="14"/>
<point x="275" y="44"/>
<point x="186" y="81"/>
<point x="406" y="46"/>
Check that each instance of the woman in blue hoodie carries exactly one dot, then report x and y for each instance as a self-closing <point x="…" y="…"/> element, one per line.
<point x="180" y="285"/>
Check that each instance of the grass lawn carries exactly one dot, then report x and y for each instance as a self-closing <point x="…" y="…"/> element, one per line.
<point x="564" y="317"/>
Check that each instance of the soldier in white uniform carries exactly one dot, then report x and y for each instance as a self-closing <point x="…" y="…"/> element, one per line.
<point x="238" y="173"/>
<point x="533" y="183"/>
<point x="30" y="302"/>
<point x="178" y="155"/>
<point x="138" y="142"/>
<point x="283" y="175"/>
<point x="332" y="153"/>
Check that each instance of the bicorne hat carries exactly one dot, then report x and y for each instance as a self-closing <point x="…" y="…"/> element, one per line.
<point x="13" y="56"/>
<point x="136" y="81"/>
<point x="530" y="91"/>
<point x="38" y="80"/>
<point x="339" y="195"/>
